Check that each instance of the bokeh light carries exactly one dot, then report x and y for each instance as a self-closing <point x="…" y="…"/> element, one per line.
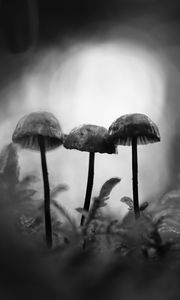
<point x="96" y="83"/>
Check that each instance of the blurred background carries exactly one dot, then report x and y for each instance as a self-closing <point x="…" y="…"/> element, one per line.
<point x="91" y="62"/>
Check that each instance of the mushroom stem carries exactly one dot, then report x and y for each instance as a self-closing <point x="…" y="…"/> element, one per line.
<point x="135" y="177"/>
<point x="48" y="228"/>
<point x="89" y="184"/>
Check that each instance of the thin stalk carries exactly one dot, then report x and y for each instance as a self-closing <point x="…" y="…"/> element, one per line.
<point x="89" y="185"/>
<point x="135" y="177"/>
<point x="47" y="214"/>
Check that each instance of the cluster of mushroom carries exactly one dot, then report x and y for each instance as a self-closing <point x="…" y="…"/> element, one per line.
<point x="42" y="132"/>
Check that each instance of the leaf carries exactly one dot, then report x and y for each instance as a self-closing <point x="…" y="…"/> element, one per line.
<point x="144" y="205"/>
<point x="26" y="193"/>
<point x="108" y="186"/>
<point x="158" y="220"/>
<point x="128" y="201"/>
<point x="11" y="168"/>
<point x="82" y="211"/>
<point x="168" y="213"/>
<point x="65" y="213"/>
<point x="172" y="196"/>
<point x="27" y="180"/>
<point x="170" y="229"/>
<point x="38" y="221"/>
<point x="26" y="221"/>
<point x="58" y="189"/>
<point x="100" y="200"/>
<point x="3" y="157"/>
<point x="103" y="204"/>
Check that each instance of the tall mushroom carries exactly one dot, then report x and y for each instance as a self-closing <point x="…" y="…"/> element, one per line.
<point x="134" y="129"/>
<point x="92" y="139"/>
<point x="40" y="131"/>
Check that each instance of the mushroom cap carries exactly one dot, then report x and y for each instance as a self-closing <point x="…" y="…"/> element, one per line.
<point x="136" y="125"/>
<point x="37" y="124"/>
<point x="89" y="138"/>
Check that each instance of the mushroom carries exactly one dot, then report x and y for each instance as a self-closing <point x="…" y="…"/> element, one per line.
<point x="134" y="129"/>
<point x="40" y="131"/>
<point x="92" y="139"/>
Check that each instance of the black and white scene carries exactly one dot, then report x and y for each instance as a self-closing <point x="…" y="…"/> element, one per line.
<point x="89" y="149"/>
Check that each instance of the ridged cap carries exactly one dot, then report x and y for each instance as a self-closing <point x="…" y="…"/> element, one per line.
<point x="38" y="123"/>
<point x="136" y="125"/>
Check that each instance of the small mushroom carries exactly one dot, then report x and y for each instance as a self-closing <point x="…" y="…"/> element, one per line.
<point x="40" y="131"/>
<point x="92" y="139"/>
<point x="134" y="129"/>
